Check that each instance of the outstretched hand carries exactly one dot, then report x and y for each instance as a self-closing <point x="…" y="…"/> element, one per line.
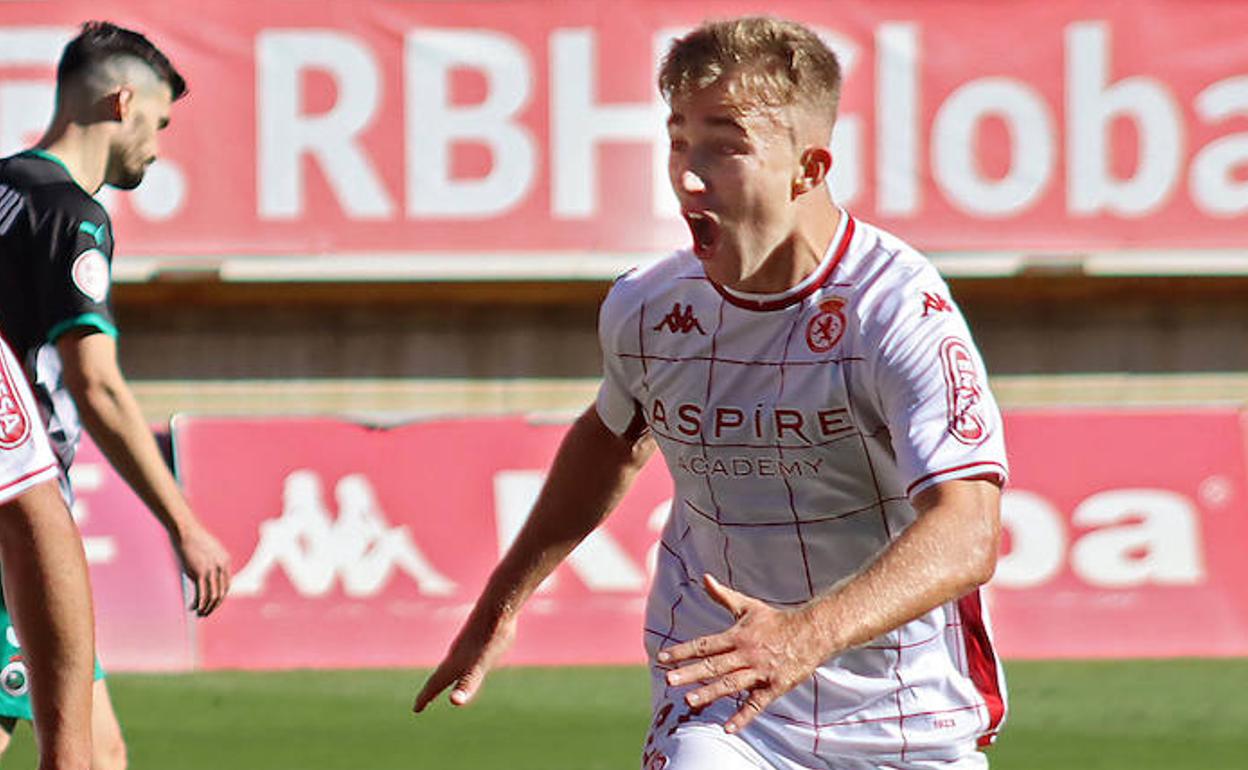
<point x="766" y="653"/>
<point x="481" y="642"/>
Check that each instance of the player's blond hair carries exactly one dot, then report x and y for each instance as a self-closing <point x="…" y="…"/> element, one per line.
<point x="775" y="62"/>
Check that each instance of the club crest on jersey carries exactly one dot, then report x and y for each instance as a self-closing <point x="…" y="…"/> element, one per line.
<point x="680" y="321"/>
<point x="964" y="393"/>
<point x="13" y="678"/>
<point x="935" y="303"/>
<point x="14" y="422"/>
<point x="90" y="274"/>
<point x="826" y="327"/>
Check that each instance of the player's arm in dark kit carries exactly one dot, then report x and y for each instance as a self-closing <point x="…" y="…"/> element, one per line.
<point x="113" y="417"/>
<point x="80" y="323"/>
<point x="591" y="472"/>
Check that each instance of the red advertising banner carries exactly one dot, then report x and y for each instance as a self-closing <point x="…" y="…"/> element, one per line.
<point x="141" y="619"/>
<point x="1125" y="535"/>
<point x="533" y="129"/>
<point x="366" y="547"/>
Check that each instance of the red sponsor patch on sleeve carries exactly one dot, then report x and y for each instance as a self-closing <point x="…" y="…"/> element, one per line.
<point x="14" y="419"/>
<point x="964" y="392"/>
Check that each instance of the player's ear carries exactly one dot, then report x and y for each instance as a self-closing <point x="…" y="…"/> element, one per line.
<point x="120" y="103"/>
<point x="816" y="163"/>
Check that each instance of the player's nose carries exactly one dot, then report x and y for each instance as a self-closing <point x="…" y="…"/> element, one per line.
<point x="690" y="182"/>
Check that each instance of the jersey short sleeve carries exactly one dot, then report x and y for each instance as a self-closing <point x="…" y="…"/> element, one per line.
<point x="932" y="386"/>
<point x="25" y="457"/>
<point x="76" y="274"/>
<point x="616" y="405"/>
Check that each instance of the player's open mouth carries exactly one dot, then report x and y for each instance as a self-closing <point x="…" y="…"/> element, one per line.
<point x="705" y="230"/>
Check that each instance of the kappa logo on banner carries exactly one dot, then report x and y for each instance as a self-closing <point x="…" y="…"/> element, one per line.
<point x="314" y="549"/>
<point x="90" y="274"/>
<point x="14" y="422"/>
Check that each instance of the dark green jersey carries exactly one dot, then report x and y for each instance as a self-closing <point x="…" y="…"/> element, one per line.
<point x="56" y="251"/>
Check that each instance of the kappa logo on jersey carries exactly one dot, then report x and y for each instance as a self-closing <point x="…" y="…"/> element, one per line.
<point x="14" y="421"/>
<point x="935" y="303"/>
<point x="827" y="327"/>
<point x="90" y="274"/>
<point x="680" y="321"/>
<point x="963" y="391"/>
<point x="315" y="550"/>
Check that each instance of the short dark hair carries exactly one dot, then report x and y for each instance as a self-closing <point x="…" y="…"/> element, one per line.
<point x="100" y="41"/>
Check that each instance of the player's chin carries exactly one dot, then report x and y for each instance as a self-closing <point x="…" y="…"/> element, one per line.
<point x="128" y="179"/>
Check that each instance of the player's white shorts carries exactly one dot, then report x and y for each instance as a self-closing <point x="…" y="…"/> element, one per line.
<point x="702" y="746"/>
<point x="680" y="740"/>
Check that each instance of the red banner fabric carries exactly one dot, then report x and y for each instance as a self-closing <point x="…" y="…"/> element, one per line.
<point x="533" y="128"/>
<point x="366" y="547"/>
<point x="140" y="615"/>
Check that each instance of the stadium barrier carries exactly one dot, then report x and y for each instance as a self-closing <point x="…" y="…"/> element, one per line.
<point x="362" y="546"/>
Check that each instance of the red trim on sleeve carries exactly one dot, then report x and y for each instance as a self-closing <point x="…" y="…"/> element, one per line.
<point x="4" y="497"/>
<point x="987" y="464"/>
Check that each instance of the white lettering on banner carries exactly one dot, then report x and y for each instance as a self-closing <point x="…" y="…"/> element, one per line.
<point x="360" y="548"/>
<point x="1142" y="537"/>
<point x="954" y="163"/>
<point x="1093" y="104"/>
<point x="578" y="125"/>
<point x="1162" y="547"/>
<point x="25" y="105"/>
<point x="599" y="561"/>
<point x="331" y="138"/>
<point x="847" y="142"/>
<point x="435" y="125"/>
<point x="897" y="120"/>
<point x="1214" y="185"/>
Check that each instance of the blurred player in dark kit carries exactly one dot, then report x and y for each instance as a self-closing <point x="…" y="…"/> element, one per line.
<point x="114" y="94"/>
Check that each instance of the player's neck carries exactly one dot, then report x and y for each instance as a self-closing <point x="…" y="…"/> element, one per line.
<point x="799" y="255"/>
<point x="82" y="149"/>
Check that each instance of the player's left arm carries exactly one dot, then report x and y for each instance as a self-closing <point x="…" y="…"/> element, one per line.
<point x="949" y="551"/>
<point x="112" y="416"/>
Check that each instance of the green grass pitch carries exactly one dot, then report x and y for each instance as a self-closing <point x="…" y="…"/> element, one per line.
<point x="1140" y="715"/>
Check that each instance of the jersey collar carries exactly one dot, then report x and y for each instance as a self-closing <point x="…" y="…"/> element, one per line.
<point x="809" y="284"/>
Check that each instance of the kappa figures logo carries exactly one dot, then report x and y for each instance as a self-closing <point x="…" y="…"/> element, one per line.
<point x="680" y="321"/>
<point x="935" y="303"/>
<point x="360" y="548"/>
<point x="14" y="422"/>
<point x="826" y="328"/>
<point x="963" y="392"/>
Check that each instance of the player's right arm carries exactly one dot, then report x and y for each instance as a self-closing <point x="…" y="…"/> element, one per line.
<point x="591" y="472"/>
<point x="596" y="463"/>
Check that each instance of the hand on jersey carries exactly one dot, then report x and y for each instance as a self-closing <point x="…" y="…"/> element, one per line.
<point x="766" y="653"/>
<point x="481" y="642"/>
<point x="207" y="564"/>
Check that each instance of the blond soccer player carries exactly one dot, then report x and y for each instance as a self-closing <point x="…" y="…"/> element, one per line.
<point x="836" y="454"/>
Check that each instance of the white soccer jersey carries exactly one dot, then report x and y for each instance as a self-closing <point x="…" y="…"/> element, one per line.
<point x="25" y="457"/>
<point x="796" y="428"/>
